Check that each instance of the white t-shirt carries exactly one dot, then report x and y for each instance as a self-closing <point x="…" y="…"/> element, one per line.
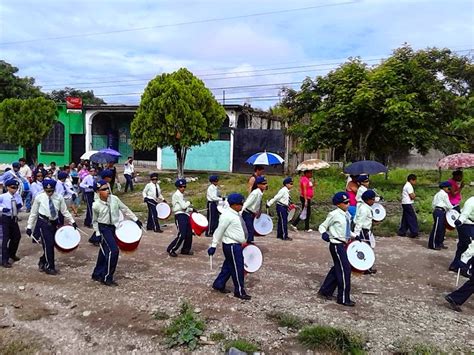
<point x="407" y="190"/>
<point x="25" y="171"/>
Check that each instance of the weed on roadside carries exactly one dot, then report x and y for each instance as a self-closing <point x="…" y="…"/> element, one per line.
<point x="185" y="329"/>
<point x="160" y="315"/>
<point x="242" y="345"/>
<point x="331" y="339"/>
<point x="217" y="337"/>
<point x="409" y="347"/>
<point x="287" y="320"/>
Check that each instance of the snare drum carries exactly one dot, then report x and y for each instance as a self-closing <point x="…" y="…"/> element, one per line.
<point x="66" y="239"/>
<point x="451" y="217"/>
<point x="263" y="225"/>
<point x="360" y="255"/>
<point x="163" y="210"/>
<point x="378" y="212"/>
<point x="253" y="258"/>
<point x="128" y="235"/>
<point x="293" y="212"/>
<point x="199" y="223"/>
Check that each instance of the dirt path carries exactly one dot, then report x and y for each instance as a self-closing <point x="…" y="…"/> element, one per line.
<point x="69" y="313"/>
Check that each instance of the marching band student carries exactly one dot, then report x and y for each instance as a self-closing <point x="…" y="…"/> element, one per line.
<point x="336" y="230"/>
<point x="87" y="184"/>
<point x="213" y="196"/>
<point x="37" y="184"/>
<point x="10" y="204"/>
<point x="458" y="297"/>
<point x="441" y="205"/>
<point x="232" y="232"/>
<point x="465" y="229"/>
<point x="409" y="220"/>
<point x="45" y="213"/>
<point x="363" y="181"/>
<point x="181" y="209"/>
<point x="151" y="194"/>
<point x="105" y="211"/>
<point x="252" y="207"/>
<point x="363" y="221"/>
<point x="282" y="199"/>
<point x="65" y="190"/>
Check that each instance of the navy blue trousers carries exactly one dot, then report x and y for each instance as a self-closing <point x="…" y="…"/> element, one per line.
<point x="128" y="182"/>
<point x="464" y="292"/>
<point x="233" y="266"/>
<point x="108" y="254"/>
<point x="185" y="234"/>
<point x="409" y="221"/>
<point x="248" y="219"/>
<point x="212" y="217"/>
<point x="282" y="227"/>
<point x="339" y="275"/>
<point x="152" y="223"/>
<point x="11" y="238"/>
<point x="465" y="235"/>
<point x="47" y="230"/>
<point x="89" y="197"/>
<point x="439" y="230"/>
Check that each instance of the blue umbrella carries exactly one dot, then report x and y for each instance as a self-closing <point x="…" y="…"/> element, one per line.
<point x="265" y="158"/>
<point x="102" y="158"/>
<point x="110" y="151"/>
<point x="365" y="167"/>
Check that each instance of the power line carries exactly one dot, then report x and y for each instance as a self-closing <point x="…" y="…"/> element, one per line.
<point x="218" y="19"/>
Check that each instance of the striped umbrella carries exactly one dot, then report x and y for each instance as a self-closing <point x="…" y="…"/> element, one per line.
<point x="265" y="158"/>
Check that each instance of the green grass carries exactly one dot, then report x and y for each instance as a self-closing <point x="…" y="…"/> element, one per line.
<point x="242" y="345"/>
<point x="160" y="315"/>
<point x="328" y="182"/>
<point x="217" y="337"/>
<point x="284" y="319"/>
<point x="323" y="338"/>
<point x="17" y="347"/>
<point x="185" y="329"/>
<point x="409" y="347"/>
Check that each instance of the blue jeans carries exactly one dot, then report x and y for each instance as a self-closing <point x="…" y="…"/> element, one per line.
<point x="129" y="182"/>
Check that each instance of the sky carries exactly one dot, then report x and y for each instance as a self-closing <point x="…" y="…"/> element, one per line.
<point x="247" y="49"/>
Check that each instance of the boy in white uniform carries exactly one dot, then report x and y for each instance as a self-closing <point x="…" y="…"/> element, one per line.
<point x="363" y="221"/>
<point x="282" y="199"/>
<point x="151" y="195"/>
<point x="409" y="220"/>
<point x="364" y="182"/>
<point x="252" y="207"/>
<point x="440" y="205"/>
<point x="213" y="196"/>
<point x="232" y="232"/>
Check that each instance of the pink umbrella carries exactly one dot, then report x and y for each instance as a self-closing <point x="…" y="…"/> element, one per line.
<point x="454" y="161"/>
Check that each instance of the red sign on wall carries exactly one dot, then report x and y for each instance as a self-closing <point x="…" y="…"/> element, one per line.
<point x="74" y="102"/>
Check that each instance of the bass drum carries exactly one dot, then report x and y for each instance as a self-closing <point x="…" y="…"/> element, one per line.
<point x="360" y="255"/>
<point x="253" y="258"/>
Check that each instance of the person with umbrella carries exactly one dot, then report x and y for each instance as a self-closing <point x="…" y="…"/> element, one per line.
<point x="456" y="186"/>
<point x="306" y="195"/>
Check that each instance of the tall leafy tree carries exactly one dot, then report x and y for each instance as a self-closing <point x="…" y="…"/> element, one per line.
<point x="88" y="97"/>
<point x="13" y="86"/>
<point x="176" y="110"/>
<point x="26" y="122"/>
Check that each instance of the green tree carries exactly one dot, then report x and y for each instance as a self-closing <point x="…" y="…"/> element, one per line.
<point x="88" y="97"/>
<point x="27" y="122"/>
<point x="176" y="110"/>
<point x="12" y="86"/>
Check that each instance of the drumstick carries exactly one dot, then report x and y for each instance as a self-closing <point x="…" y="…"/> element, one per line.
<point x="81" y="231"/>
<point x="210" y="261"/>
<point x="457" y="278"/>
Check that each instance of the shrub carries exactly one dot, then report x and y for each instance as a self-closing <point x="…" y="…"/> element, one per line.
<point x="284" y="319"/>
<point x="185" y="329"/>
<point x="331" y="339"/>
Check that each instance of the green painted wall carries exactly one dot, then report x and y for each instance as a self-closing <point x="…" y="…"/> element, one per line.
<point x="212" y="156"/>
<point x="9" y="156"/>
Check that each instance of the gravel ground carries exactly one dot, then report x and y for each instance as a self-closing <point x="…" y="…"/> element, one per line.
<point x="69" y="313"/>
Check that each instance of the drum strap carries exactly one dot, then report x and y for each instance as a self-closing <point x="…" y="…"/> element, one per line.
<point x="156" y="192"/>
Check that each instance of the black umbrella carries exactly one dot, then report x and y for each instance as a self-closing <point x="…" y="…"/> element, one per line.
<point x="368" y="167"/>
<point x="102" y="158"/>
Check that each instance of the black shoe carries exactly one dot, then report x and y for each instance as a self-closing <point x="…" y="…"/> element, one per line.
<point x="401" y="235"/>
<point x="288" y="238"/>
<point x="443" y="246"/>
<point x="370" y="271"/>
<point x="15" y="258"/>
<point x="159" y="231"/>
<point x="173" y="254"/>
<point x="453" y="268"/>
<point x="41" y="266"/>
<point x="221" y="290"/>
<point x="51" y="271"/>
<point x="187" y="252"/>
<point x="7" y="265"/>
<point x="414" y="236"/>
<point x="435" y="248"/>
<point x="453" y="305"/>
<point x="323" y="296"/>
<point x="347" y="304"/>
<point x="243" y="297"/>
<point x="96" y="278"/>
<point x="110" y="283"/>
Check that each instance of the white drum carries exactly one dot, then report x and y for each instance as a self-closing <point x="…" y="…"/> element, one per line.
<point x="163" y="210"/>
<point x="378" y="212"/>
<point x="372" y="240"/>
<point x="360" y="255"/>
<point x="293" y="212"/>
<point x="451" y="217"/>
<point x="222" y="206"/>
<point x="128" y="235"/>
<point x="67" y="239"/>
<point x="263" y="225"/>
<point x="253" y="258"/>
<point x="198" y="222"/>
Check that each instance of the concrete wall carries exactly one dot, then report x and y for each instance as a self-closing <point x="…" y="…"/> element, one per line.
<point x="212" y="156"/>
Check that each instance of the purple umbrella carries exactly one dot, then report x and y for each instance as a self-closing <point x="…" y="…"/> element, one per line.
<point x="110" y="151"/>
